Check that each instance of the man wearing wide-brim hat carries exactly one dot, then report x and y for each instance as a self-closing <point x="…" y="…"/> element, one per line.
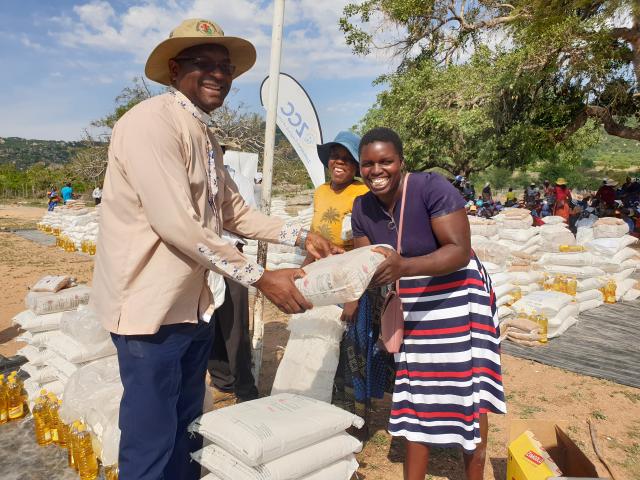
<point x="167" y="198"/>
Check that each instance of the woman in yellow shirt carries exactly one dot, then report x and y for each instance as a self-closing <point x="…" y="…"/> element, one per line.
<point x="333" y="200"/>
<point x="364" y="371"/>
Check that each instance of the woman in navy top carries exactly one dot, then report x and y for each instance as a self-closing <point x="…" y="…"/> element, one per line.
<point x="448" y="370"/>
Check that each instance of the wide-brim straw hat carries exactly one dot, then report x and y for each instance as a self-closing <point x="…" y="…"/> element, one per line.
<point x="193" y="32"/>
<point x="561" y="181"/>
<point x="611" y="183"/>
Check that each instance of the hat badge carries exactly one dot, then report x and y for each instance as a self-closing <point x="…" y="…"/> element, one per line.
<point x="205" y="28"/>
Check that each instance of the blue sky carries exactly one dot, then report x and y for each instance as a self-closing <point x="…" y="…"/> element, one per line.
<point x="65" y="61"/>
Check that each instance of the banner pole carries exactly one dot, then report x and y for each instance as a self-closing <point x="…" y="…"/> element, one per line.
<point x="267" y="175"/>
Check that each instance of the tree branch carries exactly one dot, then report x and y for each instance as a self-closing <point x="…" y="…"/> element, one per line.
<point x="610" y="125"/>
<point x="604" y="117"/>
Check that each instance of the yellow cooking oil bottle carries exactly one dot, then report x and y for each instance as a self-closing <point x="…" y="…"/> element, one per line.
<point x="610" y="291"/>
<point x="52" y="403"/>
<point x="4" y="401"/>
<point x="560" y="284"/>
<point x="571" y="248"/>
<point x="572" y="286"/>
<point x="42" y="431"/>
<point x="543" y="327"/>
<point x="111" y="472"/>
<point x="73" y="445"/>
<point x="15" y="401"/>
<point x="88" y="463"/>
<point x="63" y="428"/>
<point x="23" y="393"/>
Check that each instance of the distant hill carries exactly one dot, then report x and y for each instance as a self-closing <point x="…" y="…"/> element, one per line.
<point x="615" y="153"/>
<point x="26" y="152"/>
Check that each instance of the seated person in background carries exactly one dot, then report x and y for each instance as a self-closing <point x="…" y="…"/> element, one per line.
<point x="511" y="198"/>
<point x="607" y="194"/>
<point x="626" y="215"/>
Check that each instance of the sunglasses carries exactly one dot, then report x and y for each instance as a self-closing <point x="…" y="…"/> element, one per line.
<point x="206" y="65"/>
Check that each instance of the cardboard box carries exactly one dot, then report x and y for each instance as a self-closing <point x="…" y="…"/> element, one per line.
<point x="524" y="463"/>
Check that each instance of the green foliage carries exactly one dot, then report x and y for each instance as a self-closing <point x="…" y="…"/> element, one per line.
<point x="560" y="63"/>
<point x="451" y="117"/>
<point x="24" y="153"/>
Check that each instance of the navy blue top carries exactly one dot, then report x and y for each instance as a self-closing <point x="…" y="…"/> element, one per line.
<point x="429" y="195"/>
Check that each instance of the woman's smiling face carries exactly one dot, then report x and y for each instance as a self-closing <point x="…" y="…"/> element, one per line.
<point x="381" y="169"/>
<point x="342" y="166"/>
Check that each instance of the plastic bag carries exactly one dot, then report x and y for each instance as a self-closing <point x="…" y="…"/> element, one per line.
<point x="311" y="357"/>
<point x="52" y="283"/>
<point x="291" y="466"/>
<point x="341" y="470"/>
<point x="340" y="278"/>
<point x="547" y="302"/>
<point x="84" y="326"/>
<point x="610" y="246"/>
<point x="553" y="220"/>
<point x="292" y="422"/>
<point x="88" y="388"/>
<point x="67" y="299"/>
<point x="346" y="232"/>
<point x="76" y="352"/>
<point x="37" y="323"/>
<point x="518" y="235"/>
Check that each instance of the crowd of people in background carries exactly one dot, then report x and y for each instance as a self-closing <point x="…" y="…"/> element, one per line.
<point x="610" y="200"/>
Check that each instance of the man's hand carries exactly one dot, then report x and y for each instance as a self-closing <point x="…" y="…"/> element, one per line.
<point x="350" y="312"/>
<point x="390" y="270"/>
<point x="320" y="247"/>
<point x="278" y="287"/>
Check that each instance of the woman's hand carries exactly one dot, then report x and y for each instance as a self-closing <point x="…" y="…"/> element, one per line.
<point x="390" y="270"/>
<point x="350" y="312"/>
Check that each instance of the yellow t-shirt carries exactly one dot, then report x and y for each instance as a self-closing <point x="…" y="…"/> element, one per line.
<point x="330" y="208"/>
<point x="511" y="196"/>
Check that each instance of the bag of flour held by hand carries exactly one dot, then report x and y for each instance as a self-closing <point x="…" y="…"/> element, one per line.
<point x="340" y="278"/>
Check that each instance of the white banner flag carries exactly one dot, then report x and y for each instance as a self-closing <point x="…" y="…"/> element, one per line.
<point x="298" y="120"/>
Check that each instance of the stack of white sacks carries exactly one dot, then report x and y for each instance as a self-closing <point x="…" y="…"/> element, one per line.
<point x="75" y="222"/>
<point x="282" y="256"/>
<point x="520" y="258"/>
<point x="50" y="303"/>
<point x="71" y="355"/>
<point x="282" y="437"/>
<point x="609" y="246"/>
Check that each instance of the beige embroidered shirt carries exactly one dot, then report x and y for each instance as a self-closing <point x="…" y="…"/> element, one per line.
<point x="166" y="199"/>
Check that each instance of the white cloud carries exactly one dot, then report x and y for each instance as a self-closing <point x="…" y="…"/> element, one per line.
<point x="313" y="44"/>
<point x="27" y="42"/>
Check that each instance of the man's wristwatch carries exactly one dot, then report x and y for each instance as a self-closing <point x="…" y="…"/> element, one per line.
<point x="302" y="237"/>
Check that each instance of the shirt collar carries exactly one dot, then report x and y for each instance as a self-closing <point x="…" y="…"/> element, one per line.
<point x="188" y="105"/>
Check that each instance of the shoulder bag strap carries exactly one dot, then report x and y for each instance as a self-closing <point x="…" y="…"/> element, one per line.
<point x="399" y="242"/>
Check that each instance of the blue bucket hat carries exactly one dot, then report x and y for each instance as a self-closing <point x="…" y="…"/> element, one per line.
<point x="348" y="140"/>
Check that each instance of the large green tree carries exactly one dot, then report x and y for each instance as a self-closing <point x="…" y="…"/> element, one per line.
<point x="561" y="62"/>
<point x="452" y="117"/>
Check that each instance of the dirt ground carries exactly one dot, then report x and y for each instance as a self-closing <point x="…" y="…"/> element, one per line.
<point x="533" y="391"/>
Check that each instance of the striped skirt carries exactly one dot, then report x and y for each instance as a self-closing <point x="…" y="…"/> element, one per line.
<point x="448" y="370"/>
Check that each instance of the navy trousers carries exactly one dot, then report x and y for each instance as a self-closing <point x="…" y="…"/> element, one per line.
<point x="164" y="382"/>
